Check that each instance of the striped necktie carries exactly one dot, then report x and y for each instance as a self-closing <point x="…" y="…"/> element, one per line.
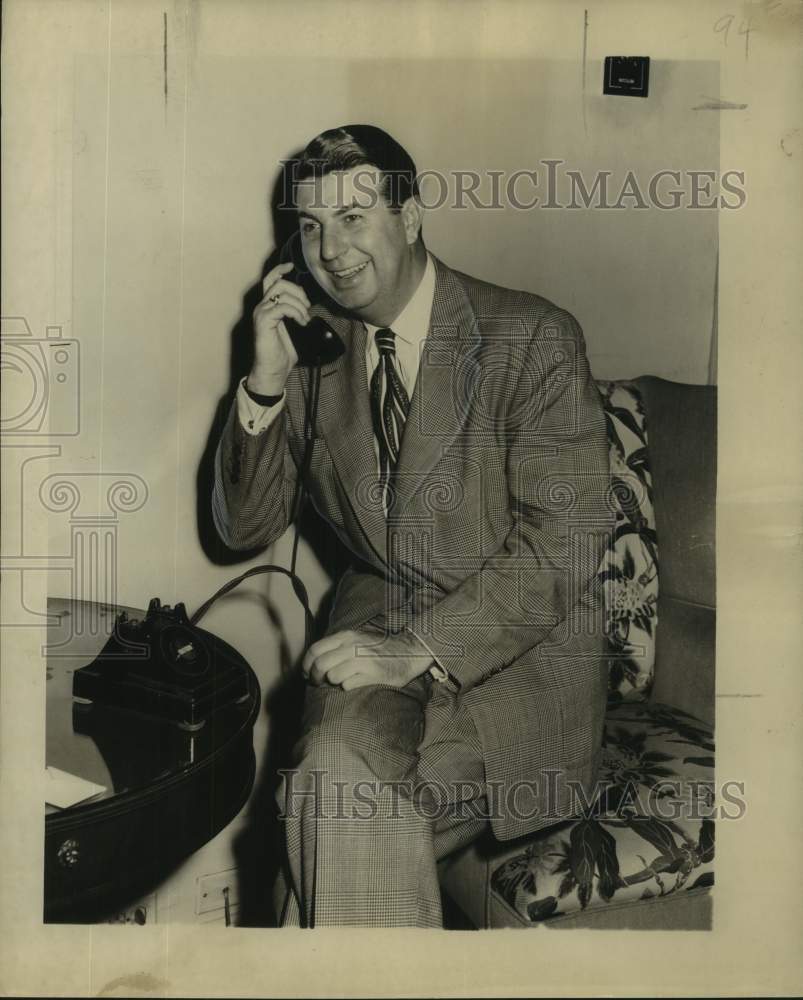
<point x="389" y="407"/>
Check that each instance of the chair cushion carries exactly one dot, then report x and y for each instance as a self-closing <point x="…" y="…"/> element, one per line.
<point x="648" y="833"/>
<point x="629" y="569"/>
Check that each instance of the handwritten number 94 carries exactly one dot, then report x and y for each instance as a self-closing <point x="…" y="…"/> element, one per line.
<point x="724" y="24"/>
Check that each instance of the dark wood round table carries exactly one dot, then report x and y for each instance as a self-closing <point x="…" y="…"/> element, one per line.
<point x="168" y="790"/>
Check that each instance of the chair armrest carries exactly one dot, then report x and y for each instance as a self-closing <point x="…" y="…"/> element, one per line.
<point x="684" y="657"/>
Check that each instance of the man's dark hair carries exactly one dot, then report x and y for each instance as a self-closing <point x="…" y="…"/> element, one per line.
<point x="356" y="145"/>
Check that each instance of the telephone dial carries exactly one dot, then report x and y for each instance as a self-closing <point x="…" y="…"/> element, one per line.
<point x="164" y="667"/>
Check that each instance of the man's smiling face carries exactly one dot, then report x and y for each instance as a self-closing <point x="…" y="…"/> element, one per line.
<point x="361" y="251"/>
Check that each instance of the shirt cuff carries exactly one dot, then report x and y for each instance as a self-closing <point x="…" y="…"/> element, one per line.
<point x="437" y="672"/>
<point x="255" y="418"/>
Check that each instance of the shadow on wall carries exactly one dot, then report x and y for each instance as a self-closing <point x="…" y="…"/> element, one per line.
<point x="241" y="359"/>
<point x="258" y="848"/>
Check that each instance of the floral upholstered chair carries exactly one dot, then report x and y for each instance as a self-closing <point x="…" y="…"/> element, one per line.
<point x="649" y="833"/>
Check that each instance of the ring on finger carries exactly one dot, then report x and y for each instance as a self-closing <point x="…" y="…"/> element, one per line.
<point x="273" y="299"/>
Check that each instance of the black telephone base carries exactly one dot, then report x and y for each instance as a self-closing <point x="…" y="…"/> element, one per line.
<point x="164" y="667"/>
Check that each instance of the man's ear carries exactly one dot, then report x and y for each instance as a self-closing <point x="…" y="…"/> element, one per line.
<point x="412" y="216"/>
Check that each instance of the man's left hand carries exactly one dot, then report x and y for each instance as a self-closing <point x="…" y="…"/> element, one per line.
<point x="394" y="660"/>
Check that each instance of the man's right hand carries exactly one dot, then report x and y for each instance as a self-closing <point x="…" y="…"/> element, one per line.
<point x="274" y="355"/>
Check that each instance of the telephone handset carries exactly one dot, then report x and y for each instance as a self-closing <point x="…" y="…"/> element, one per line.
<point x="316" y="343"/>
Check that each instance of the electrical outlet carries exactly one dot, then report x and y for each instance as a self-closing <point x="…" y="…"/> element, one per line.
<point x="214" y="890"/>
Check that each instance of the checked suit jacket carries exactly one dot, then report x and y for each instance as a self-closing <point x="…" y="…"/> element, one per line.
<point x="490" y="551"/>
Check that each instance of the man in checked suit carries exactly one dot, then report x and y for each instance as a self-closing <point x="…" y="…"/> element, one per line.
<point x="459" y="453"/>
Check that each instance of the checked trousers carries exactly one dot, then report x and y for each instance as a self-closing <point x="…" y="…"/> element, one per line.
<point x="386" y="781"/>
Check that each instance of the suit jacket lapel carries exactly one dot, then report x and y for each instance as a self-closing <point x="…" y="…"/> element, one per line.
<point x="344" y="419"/>
<point x="443" y="389"/>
